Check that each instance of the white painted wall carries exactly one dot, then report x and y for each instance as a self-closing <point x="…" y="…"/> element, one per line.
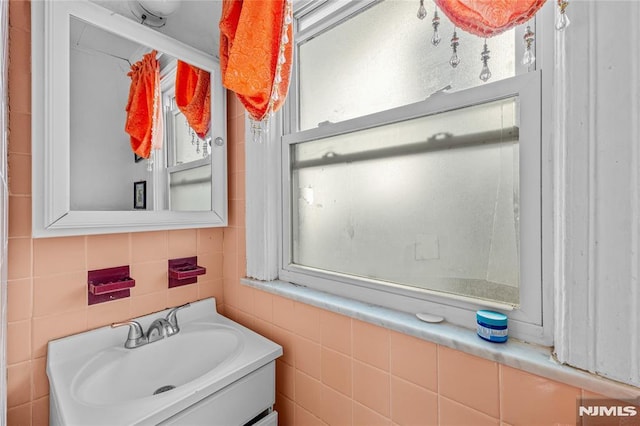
<point x="598" y="256"/>
<point x="102" y="163"/>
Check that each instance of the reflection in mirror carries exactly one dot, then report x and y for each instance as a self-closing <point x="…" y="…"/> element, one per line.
<point x="84" y="167"/>
<point x="188" y="172"/>
<point x="103" y="166"/>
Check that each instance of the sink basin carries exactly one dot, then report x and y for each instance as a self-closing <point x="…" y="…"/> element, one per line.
<point x="118" y="375"/>
<point x="95" y="380"/>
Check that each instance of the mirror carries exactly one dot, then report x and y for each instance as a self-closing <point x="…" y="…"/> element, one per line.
<point x="86" y="177"/>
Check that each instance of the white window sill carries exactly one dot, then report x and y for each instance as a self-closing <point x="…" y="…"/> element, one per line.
<point x="523" y="356"/>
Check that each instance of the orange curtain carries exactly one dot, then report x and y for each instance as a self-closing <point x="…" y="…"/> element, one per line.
<point x="256" y="53"/>
<point x="144" y="118"/>
<point x="193" y="96"/>
<point x="486" y="18"/>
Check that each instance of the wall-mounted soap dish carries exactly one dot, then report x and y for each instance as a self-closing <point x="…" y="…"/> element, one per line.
<point x="184" y="271"/>
<point x="108" y="284"/>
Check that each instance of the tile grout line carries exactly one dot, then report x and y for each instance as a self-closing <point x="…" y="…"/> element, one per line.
<point x="438" y="414"/>
<point x="500" y="413"/>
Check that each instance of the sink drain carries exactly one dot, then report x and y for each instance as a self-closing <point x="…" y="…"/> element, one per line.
<point x="164" y="389"/>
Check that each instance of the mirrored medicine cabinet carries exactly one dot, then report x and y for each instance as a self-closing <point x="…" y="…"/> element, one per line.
<point x="85" y="177"/>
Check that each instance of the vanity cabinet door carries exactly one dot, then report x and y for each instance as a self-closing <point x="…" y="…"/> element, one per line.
<point x="236" y="404"/>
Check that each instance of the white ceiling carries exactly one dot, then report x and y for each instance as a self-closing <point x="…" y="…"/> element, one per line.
<point x="194" y="23"/>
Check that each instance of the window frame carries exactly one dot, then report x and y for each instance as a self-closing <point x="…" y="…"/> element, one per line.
<point x="167" y="154"/>
<point x="529" y="314"/>
<point x="531" y="322"/>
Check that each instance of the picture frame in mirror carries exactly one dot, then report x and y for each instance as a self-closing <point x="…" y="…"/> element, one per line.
<point x="140" y="195"/>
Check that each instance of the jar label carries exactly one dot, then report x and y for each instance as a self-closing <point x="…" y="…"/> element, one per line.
<point x="487" y="332"/>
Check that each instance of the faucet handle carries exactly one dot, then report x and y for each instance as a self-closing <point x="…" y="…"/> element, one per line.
<point x="135" y="337"/>
<point x="173" y="318"/>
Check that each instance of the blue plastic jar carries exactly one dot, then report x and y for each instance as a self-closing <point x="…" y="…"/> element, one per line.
<point x="492" y="326"/>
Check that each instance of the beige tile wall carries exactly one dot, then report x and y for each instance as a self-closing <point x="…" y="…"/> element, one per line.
<point x="47" y="287"/>
<point x="335" y="370"/>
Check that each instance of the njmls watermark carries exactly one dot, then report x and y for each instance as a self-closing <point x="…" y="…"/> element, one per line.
<point x="607" y="412"/>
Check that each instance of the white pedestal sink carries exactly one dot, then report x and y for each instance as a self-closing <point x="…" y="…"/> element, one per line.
<point x="214" y="371"/>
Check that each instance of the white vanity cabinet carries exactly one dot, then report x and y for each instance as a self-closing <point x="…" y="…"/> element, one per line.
<point x="248" y="401"/>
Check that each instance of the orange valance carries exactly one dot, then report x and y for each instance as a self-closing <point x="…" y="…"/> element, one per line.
<point x="193" y="96"/>
<point x="486" y="18"/>
<point x="144" y="112"/>
<point x="256" y="53"/>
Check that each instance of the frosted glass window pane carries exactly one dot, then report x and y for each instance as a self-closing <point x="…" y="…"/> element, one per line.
<point x="190" y="189"/>
<point x="430" y="203"/>
<point x="383" y="58"/>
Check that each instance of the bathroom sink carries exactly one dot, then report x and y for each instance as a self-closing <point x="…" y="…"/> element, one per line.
<point x="117" y="375"/>
<point x="95" y="380"/>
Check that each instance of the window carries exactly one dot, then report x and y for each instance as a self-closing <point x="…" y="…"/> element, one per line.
<point x="430" y="203"/>
<point x="348" y="70"/>
<point x="188" y="171"/>
<point x="398" y="193"/>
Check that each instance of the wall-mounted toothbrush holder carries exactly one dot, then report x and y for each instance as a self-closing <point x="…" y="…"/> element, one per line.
<point x="184" y="271"/>
<point x="108" y="284"/>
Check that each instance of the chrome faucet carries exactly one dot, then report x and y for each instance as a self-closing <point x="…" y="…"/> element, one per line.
<point x="172" y="318"/>
<point x="159" y="329"/>
<point x="136" y="336"/>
